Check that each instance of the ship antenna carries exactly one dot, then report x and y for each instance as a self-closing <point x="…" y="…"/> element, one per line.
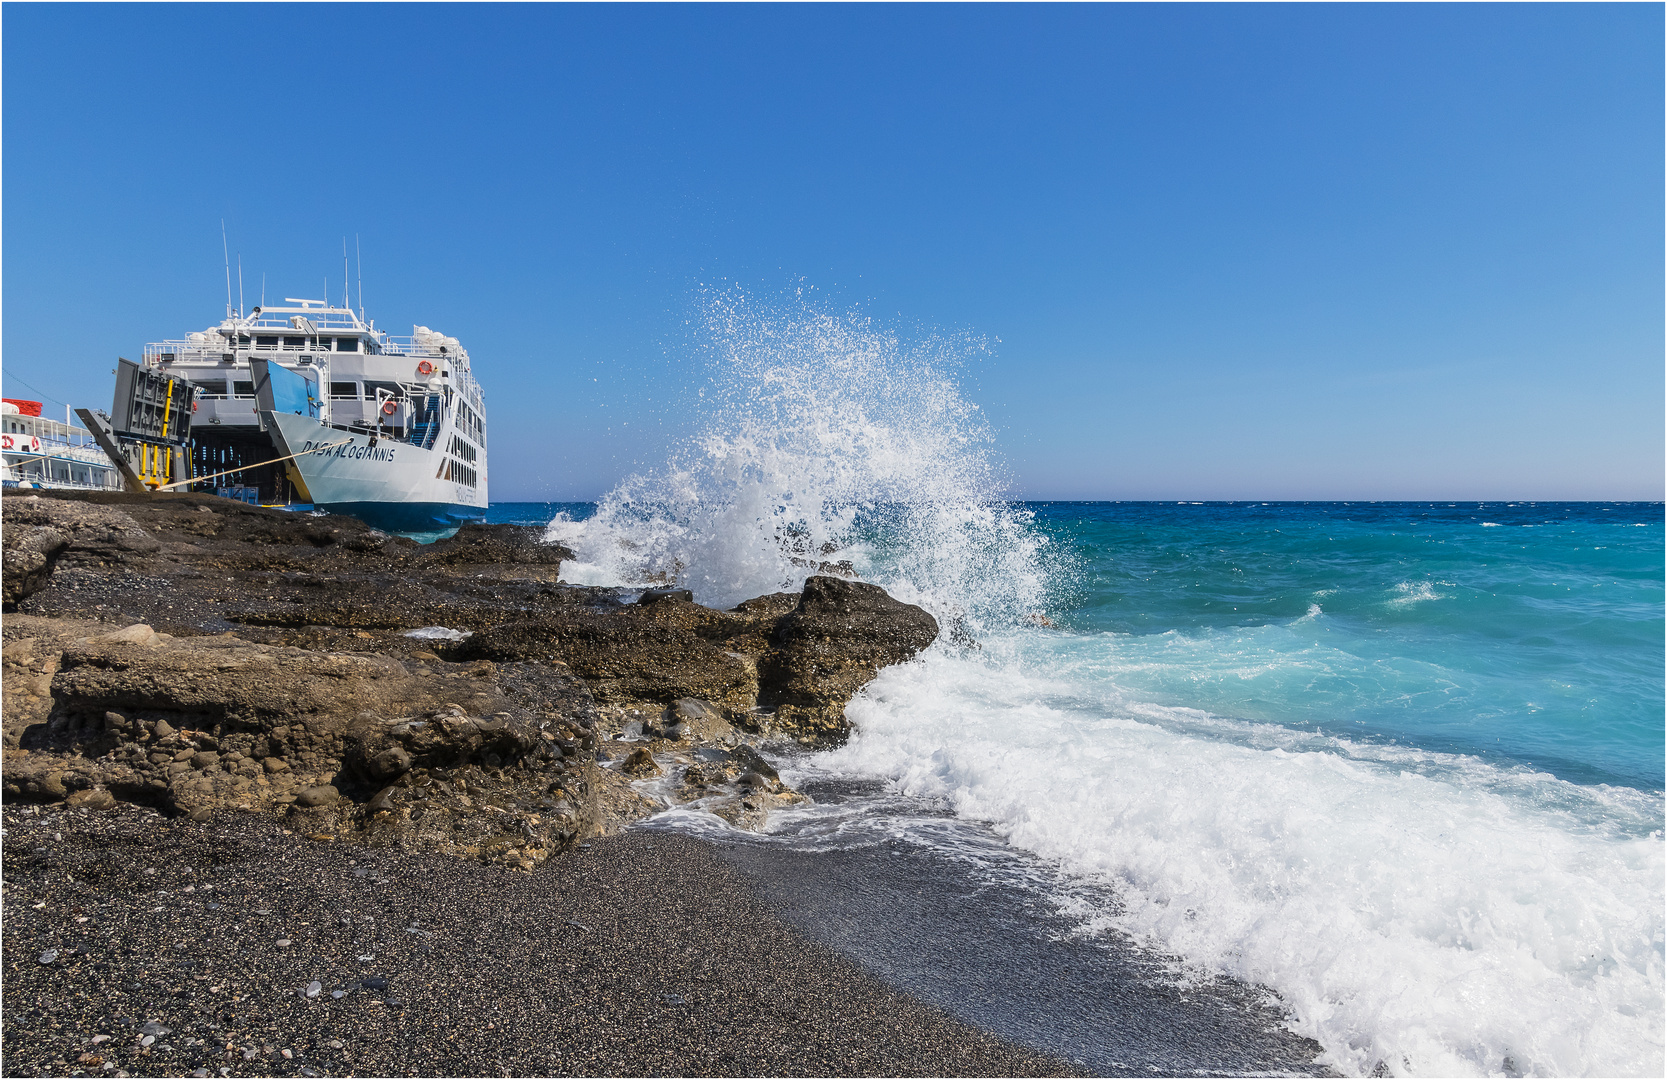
<point x="263" y="288"/>
<point x="240" y="284"/>
<point x="347" y="300"/>
<point x="225" y="251"/>
<point x="358" y="257"/>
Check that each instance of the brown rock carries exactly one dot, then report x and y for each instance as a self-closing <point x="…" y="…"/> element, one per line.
<point x="693" y="719"/>
<point x="832" y="645"/>
<point x="91" y="799"/>
<point x="390" y="763"/>
<point x="95" y="535"/>
<point x="322" y="795"/>
<point x="626" y="655"/>
<point x="137" y="634"/>
<point x="30" y="552"/>
<point x="641" y="764"/>
<point x="51" y="785"/>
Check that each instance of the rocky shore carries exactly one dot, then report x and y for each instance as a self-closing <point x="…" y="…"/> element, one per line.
<point x="197" y="655"/>
<point x="286" y="794"/>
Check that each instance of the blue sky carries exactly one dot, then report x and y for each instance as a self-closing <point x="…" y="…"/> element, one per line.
<point x="1224" y="252"/>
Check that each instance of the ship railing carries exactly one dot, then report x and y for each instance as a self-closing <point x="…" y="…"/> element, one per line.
<point x="407" y="346"/>
<point x="39" y="471"/>
<point x="169" y="352"/>
<point x="57" y="482"/>
<point x="172" y="351"/>
<point x="213" y="351"/>
<point x="55" y="435"/>
<point x="336" y="321"/>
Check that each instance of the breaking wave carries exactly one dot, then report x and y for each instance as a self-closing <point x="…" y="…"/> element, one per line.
<point x="829" y="444"/>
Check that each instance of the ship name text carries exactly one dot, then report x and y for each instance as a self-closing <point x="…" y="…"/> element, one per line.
<point x="352" y="450"/>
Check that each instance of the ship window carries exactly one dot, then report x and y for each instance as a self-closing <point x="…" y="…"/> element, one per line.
<point x="344" y="390"/>
<point x="266" y="341"/>
<point x="295" y="343"/>
<point x="243" y="389"/>
<point x="213" y="388"/>
<point x="347" y="344"/>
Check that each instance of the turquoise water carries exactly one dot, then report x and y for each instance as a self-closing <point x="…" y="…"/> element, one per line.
<point x="1528" y="632"/>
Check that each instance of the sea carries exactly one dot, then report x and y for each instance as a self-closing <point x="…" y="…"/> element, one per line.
<point x="1396" y="766"/>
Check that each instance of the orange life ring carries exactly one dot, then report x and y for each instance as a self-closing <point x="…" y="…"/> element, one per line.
<point x="389" y="408"/>
<point x="194" y="406"/>
<point x="425" y="368"/>
<point x="35" y="443"/>
<point x="5" y="442"/>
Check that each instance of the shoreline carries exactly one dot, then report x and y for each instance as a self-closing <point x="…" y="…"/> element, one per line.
<point x="643" y="954"/>
<point x="1000" y="956"/>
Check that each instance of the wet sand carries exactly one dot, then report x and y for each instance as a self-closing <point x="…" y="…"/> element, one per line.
<point x="1002" y="958"/>
<point x="195" y="946"/>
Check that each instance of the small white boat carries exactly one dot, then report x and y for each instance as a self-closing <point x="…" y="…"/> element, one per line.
<point x="40" y="452"/>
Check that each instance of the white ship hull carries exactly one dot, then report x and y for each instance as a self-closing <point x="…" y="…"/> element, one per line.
<point x="390" y="485"/>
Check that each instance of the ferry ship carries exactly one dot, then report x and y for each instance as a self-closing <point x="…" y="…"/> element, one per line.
<point x="39" y="452"/>
<point x="309" y="404"/>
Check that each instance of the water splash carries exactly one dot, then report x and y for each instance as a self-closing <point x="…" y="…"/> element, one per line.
<point x="829" y="444"/>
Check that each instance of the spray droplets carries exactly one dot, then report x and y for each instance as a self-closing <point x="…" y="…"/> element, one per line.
<point x="828" y="445"/>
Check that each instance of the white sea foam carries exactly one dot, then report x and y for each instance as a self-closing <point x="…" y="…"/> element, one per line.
<point x="1409" y="593"/>
<point x="1428" y="911"/>
<point x="438" y="633"/>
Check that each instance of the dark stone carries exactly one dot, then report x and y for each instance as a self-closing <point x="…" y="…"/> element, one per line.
<point x="655" y="596"/>
<point x="753" y="761"/>
<point x="641" y="764"/>
<point x="390" y="763"/>
<point x="478" y="544"/>
<point x="830" y="646"/>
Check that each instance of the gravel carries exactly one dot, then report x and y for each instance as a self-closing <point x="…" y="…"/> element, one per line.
<point x="644" y="955"/>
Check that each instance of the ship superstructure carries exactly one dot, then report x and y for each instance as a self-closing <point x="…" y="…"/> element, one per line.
<point x="403" y="418"/>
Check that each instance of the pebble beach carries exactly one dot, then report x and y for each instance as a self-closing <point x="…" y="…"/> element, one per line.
<point x="141" y="945"/>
